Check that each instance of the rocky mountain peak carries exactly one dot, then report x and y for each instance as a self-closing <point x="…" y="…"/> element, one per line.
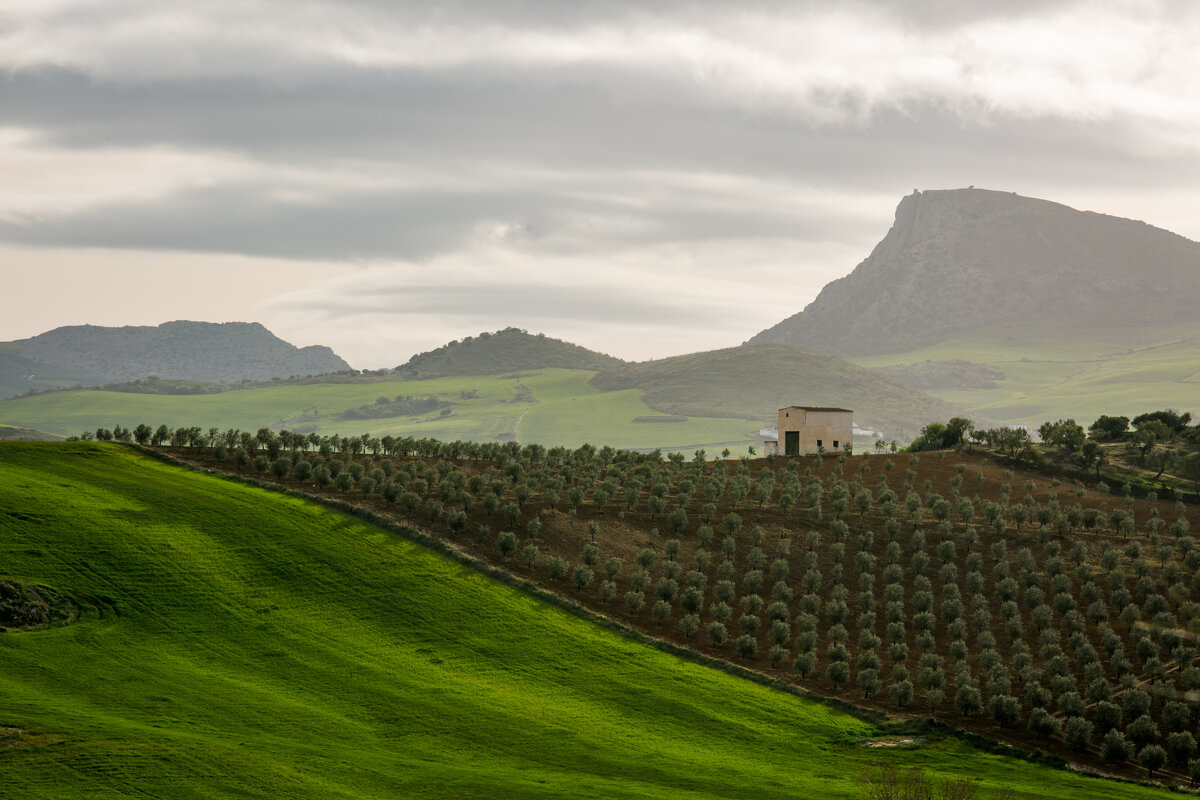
<point x="956" y="260"/>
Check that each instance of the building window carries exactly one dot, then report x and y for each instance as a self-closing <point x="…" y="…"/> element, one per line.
<point x="835" y="444"/>
<point x="818" y="442"/>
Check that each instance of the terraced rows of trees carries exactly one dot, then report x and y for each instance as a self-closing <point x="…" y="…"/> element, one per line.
<point x="1045" y="613"/>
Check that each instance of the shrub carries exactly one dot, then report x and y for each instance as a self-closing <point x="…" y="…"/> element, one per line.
<point x="1042" y="724"/>
<point x="1142" y="731"/>
<point x="806" y="662"/>
<point x="582" y="576"/>
<point x="507" y="542"/>
<point x="635" y="600"/>
<point x="1116" y="749"/>
<point x="1078" y="733"/>
<point x="747" y="645"/>
<point x="1181" y="745"/>
<point x="608" y="590"/>
<point x="1152" y="757"/>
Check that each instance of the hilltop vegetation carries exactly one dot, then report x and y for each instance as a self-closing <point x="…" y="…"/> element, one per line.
<point x="259" y="646"/>
<point x="509" y="350"/>
<point x="1158" y="451"/>
<point x="191" y="351"/>
<point x="756" y="380"/>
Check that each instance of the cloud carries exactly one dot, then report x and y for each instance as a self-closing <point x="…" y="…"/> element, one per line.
<point x="635" y="304"/>
<point x="46" y="182"/>
<point x="826" y="64"/>
<point x="670" y="162"/>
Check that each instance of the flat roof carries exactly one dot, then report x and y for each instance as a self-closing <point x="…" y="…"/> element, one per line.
<point x="817" y="408"/>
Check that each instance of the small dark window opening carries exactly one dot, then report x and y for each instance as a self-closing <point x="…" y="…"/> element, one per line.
<point x="818" y="442"/>
<point x="835" y="444"/>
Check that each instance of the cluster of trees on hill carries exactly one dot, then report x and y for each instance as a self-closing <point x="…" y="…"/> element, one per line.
<point x="1012" y="442"/>
<point x="399" y="406"/>
<point x="1040" y="607"/>
<point x="1158" y="442"/>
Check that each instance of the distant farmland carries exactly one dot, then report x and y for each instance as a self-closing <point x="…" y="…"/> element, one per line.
<point x="551" y="407"/>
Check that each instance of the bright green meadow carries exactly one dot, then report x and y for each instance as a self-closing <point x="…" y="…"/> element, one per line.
<point x="247" y="644"/>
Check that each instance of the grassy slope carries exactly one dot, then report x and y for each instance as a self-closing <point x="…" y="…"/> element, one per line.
<point x="570" y="412"/>
<point x="1049" y="380"/>
<point x="257" y="646"/>
<point x="757" y="380"/>
<point x="555" y="419"/>
<point x="26" y="434"/>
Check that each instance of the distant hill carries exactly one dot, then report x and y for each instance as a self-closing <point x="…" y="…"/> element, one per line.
<point x="195" y="351"/>
<point x="509" y="350"/>
<point x="19" y="374"/>
<point x="964" y="260"/>
<point x="757" y="380"/>
<point x="8" y="433"/>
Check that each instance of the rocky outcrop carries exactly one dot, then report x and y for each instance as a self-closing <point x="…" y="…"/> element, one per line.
<point x="963" y="259"/>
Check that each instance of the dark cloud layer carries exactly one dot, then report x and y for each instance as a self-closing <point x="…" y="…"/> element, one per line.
<point x="608" y="157"/>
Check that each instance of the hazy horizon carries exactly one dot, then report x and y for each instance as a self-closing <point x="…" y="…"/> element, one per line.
<point x="383" y="179"/>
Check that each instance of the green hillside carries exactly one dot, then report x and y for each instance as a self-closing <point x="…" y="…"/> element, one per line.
<point x="552" y="407"/>
<point x="240" y="643"/>
<point x="8" y="432"/>
<point x="1044" y="374"/>
<point x="756" y="380"/>
<point x="509" y="350"/>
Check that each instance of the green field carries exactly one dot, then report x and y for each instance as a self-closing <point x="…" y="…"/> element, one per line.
<point x="567" y="411"/>
<point x="1047" y="381"/>
<point x="244" y="644"/>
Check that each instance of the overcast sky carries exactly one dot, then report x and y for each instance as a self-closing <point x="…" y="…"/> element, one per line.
<point x="383" y="177"/>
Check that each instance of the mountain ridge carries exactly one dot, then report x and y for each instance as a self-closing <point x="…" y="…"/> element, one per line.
<point x="181" y="349"/>
<point x="957" y="260"/>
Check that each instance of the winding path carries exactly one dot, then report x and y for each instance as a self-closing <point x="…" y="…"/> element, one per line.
<point x="520" y="419"/>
